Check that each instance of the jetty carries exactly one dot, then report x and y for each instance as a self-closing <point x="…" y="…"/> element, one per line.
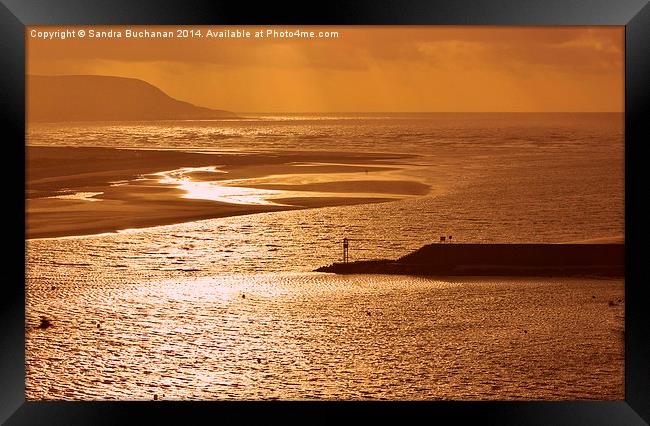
<point x="496" y="259"/>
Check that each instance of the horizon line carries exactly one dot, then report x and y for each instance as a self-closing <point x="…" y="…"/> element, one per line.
<point x="429" y="112"/>
<point x="327" y="112"/>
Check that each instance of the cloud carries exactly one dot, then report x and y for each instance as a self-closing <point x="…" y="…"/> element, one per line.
<point x="368" y="68"/>
<point x="580" y="48"/>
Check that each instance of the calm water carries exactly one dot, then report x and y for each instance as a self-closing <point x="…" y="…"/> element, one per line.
<point x="173" y="322"/>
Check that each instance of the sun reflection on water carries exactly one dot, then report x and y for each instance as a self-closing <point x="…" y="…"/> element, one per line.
<point x="205" y="183"/>
<point x="79" y="196"/>
<point x="215" y="190"/>
<point x="226" y="288"/>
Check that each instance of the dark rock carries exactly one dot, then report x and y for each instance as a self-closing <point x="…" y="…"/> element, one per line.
<point x="45" y="323"/>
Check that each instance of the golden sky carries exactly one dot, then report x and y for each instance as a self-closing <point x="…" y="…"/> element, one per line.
<point x="374" y="69"/>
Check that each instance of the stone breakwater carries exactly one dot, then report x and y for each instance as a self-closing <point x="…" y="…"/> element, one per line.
<point x="497" y="259"/>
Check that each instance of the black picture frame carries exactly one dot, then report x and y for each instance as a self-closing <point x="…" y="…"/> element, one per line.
<point x="633" y="14"/>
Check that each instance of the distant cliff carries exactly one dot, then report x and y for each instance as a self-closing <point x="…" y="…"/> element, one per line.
<point x="102" y="98"/>
<point x="497" y="259"/>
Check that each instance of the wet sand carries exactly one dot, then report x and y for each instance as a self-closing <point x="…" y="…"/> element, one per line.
<point x="82" y="191"/>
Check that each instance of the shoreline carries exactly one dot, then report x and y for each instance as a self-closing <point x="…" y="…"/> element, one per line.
<point x="163" y="221"/>
<point x="89" y="191"/>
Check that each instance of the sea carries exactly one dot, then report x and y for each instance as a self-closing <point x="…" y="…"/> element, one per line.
<point x="229" y="308"/>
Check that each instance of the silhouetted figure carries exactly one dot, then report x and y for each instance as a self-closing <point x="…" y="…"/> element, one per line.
<point x="345" y="250"/>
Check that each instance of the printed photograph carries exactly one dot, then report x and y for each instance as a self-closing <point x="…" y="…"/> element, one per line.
<point x="324" y="213"/>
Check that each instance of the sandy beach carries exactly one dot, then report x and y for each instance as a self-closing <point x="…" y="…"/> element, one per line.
<point x="81" y="191"/>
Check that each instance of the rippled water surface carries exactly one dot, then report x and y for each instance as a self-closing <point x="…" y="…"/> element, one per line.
<point x="227" y="308"/>
<point x="296" y="336"/>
